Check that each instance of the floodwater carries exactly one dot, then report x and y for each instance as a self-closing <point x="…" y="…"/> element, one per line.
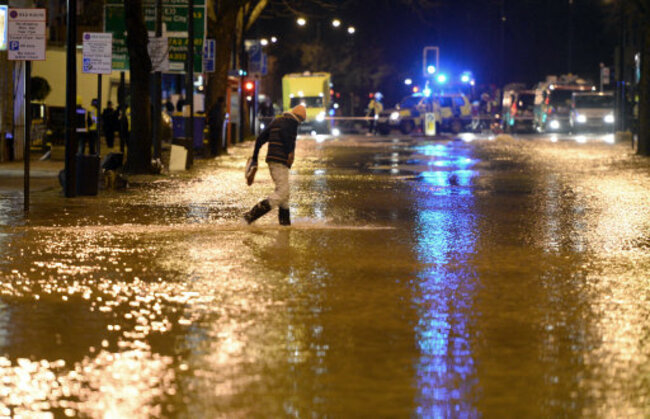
<point x="420" y="278"/>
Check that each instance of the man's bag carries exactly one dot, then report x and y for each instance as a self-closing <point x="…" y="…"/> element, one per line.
<point x="251" y="170"/>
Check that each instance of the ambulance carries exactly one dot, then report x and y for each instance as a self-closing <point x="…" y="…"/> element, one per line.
<point x="313" y="91"/>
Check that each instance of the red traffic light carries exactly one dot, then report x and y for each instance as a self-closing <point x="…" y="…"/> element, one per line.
<point x="249" y="86"/>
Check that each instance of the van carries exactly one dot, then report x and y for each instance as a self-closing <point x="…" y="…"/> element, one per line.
<point x="593" y="111"/>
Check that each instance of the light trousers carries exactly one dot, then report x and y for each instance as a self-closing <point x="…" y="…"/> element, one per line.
<point x="280" y="176"/>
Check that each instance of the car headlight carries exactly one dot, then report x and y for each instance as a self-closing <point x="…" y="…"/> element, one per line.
<point x="394" y="116"/>
<point x="554" y="124"/>
<point x="320" y="117"/>
<point x="581" y="119"/>
<point x="609" y="119"/>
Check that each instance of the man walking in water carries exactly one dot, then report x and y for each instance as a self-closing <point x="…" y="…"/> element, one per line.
<point x="281" y="136"/>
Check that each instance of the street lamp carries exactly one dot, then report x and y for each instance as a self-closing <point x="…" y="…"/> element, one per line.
<point x="336" y="23"/>
<point x="274" y="39"/>
<point x="351" y="30"/>
<point x="301" y="21"/>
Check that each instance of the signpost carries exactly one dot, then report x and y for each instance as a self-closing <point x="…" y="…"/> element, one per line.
<point x="209" y="56"/>
<point x="97" y="59"/>
<point x="26" y="31"/>
<point x="97" y="52"/>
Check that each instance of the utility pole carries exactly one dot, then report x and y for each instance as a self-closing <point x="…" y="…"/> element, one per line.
<point x="570" y="39"/>
<point x="189" y="128"/>
<point x="157" y="91"/>
<point x="71" y="101"/>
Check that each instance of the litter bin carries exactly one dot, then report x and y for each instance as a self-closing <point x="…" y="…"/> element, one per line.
<point x="87" y="174"/>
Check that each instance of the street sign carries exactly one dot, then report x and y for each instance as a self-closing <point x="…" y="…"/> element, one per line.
<point x="175" y="20"/>
<point x="26" y="34"/>
<point x="3" y="28"/>
<point x="256" y="59"/>
<point x="209" y="56"/>
<point x="97" y="53"/>
<point x="604" y="75"/>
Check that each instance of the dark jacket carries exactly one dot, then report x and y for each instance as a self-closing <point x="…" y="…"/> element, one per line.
<point x="281" y="136"/>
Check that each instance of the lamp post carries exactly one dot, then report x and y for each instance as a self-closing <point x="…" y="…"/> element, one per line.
<point x="70" y="170"/>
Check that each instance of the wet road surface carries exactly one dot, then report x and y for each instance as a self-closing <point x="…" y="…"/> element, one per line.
<point x="465" y="278"/>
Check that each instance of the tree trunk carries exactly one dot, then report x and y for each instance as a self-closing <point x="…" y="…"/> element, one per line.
<point x="644" y="94"/>
<point x="221" y="27"/>
<point x="140" y="141"/>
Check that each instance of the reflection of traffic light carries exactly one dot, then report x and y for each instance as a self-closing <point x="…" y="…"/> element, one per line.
<point x="430" y="61"/>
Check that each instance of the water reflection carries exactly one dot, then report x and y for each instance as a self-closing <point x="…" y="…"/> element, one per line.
<point x="446" y="371"/>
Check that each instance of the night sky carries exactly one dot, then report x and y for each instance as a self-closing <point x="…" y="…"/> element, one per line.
<point x="536" y="42"/>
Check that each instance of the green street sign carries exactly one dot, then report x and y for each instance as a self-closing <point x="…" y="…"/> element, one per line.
<point x="175" y="19"/>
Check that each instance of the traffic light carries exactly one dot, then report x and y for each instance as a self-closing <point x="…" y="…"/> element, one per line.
<point x="249" y="89"/>
<point x="430" y="61"/>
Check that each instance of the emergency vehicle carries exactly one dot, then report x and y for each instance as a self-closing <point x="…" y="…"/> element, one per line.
<point x="453" y="112"/>
<point x="553" y="103"/>
<point x="518" y="109"/>
<point x="313" y="91"/>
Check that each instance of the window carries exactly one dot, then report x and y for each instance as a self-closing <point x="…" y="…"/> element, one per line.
<point x="594" y="101"/>
<point x="445" y="102"/>
<point x="308" y="101"/>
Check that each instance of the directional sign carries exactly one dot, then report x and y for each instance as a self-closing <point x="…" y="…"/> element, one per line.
<point x="209" y="56"/>
<point x="175" y="20"/>
<point x="97" y="53"/>
<point x="26" y="34"/>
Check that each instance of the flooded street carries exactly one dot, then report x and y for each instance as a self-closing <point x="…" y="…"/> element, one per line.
<point x="420" y="278"/>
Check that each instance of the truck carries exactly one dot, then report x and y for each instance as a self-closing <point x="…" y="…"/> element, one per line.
<point x="553" y="102"/>
<point x="313" y="91"/>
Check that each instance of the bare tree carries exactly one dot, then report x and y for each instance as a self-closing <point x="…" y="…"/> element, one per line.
<point x="228" y="22"/>
<point x="139" y="141"/>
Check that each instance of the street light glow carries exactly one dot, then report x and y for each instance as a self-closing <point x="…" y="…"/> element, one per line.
<point x="351" y="30"/>
<point x="336" y="23"/>
<point x="301" y="21"/>
<point x="264" y="42"/>
<point x="274" y="39"/>
<point x="431" y="69"/>
<point x="408" y="82"/>
<point x="442" y="78"/>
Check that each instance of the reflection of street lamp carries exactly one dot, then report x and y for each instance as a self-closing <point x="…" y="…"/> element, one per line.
<point x="301" y="21"/>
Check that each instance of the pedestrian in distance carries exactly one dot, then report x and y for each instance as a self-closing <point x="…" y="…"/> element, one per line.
<point x="109" y="124"/>
<point x="281" y="135"/>
<point x="375" y="107"/>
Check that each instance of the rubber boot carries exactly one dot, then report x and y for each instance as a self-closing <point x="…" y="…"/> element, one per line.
<point x="257" y="211"/>
<point x="284" y="216"/>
